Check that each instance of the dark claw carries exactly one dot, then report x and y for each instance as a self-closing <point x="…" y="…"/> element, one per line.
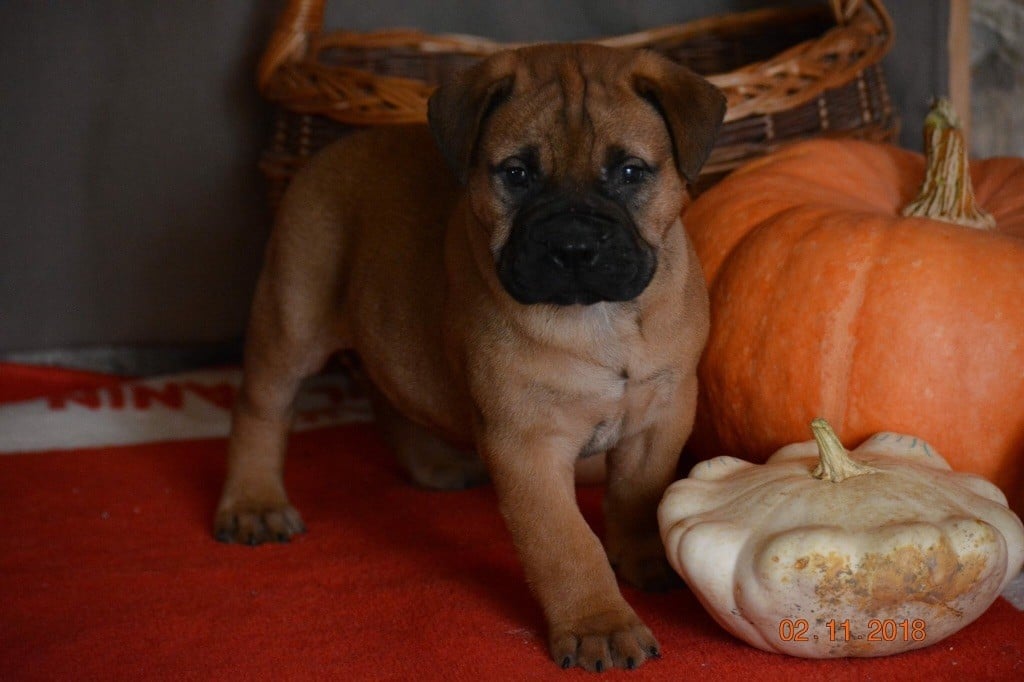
<point x="566" y="662"/>
<point x="630" y="663"/>
<point x="655" y="653"/>
<point x="283" y="538"/>
<point x="599" y="666"/>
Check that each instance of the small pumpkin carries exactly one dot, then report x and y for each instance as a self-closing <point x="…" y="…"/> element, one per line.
<point x="824" y="553"/>
<point x="825" y="300"/>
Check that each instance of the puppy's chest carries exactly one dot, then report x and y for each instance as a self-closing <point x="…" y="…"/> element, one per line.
<point x="628" y="406"/>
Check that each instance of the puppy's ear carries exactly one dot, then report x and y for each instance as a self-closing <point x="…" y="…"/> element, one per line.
<point x="693" y="108"/>
<point x="458" y="109"/>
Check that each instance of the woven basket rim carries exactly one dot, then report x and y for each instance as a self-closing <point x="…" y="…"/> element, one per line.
<point x="293" y="75"/>
<point x="480" y="46"/>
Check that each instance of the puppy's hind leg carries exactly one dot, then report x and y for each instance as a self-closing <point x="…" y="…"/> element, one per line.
<point x="254" y="507"/>
<point x="429" y="461"/>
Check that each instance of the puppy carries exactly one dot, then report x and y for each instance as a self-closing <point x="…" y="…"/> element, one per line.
<point x="521" y="295"/>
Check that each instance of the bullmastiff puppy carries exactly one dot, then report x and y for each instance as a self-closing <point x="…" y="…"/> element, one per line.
<point x="520" y="291"/>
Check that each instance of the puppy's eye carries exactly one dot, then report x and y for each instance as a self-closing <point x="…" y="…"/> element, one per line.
<point x="632" y="172"/>
<point x="516" y="174"/>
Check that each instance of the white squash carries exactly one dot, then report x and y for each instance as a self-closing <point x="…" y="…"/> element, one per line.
<point x="818" y="555"/>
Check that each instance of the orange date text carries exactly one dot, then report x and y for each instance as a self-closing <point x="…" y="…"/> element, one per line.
<point x="877" y="630"/>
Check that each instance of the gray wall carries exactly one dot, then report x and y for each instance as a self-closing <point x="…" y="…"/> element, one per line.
<point x="131" y="211"/>
<point x="997" y="77"/>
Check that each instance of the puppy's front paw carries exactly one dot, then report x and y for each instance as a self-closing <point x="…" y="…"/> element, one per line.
<point x="602" y="641"/>
<point x="254" y="521"/>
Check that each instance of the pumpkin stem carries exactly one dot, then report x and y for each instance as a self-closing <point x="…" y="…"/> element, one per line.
<point x="834" y="463"/>
<point x="947" y="193"/>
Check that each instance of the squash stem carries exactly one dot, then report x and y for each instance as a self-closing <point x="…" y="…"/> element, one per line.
<point x="834" y="462"/>
<point x="947" y="193"/>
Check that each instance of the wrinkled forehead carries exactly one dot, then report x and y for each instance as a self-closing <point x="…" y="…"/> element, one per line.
<point x="574" y="113"/>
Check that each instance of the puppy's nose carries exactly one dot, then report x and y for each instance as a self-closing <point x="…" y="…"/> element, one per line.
<point x="572" y="254"/>
<point x="575" y="245"/>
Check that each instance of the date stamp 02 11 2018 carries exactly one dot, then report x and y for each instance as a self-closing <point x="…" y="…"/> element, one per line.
<point x="878" y="630"/>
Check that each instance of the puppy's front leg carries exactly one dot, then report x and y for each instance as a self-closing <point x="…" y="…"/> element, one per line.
<point x="589" y="622"/>
<point x="639" y="470"/>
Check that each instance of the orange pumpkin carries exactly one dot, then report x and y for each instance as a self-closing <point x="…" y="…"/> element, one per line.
<point x="827" y="302"/>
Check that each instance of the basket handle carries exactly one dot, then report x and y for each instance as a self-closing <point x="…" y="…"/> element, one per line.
<point x="290" y="39"/>
<point x="844" y="10"/>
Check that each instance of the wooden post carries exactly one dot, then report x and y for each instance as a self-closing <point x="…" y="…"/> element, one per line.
<point x="959" y="48"/>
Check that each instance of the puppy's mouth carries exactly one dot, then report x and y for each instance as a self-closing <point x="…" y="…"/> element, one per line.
<point x="574" y="251"/>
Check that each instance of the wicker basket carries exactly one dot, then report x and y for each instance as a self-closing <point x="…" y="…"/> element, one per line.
<point x="788" y="74"/>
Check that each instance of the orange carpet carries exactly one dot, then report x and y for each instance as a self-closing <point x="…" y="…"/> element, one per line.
<point x="108" y="571"/>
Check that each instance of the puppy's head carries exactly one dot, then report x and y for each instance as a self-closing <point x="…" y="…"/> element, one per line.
<point x="575" y="158"/>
